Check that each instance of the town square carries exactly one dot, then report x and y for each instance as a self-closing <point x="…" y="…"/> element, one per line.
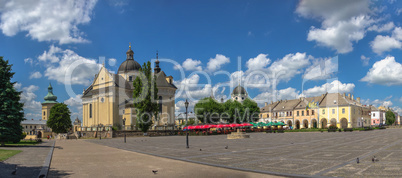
<point x="121" y="88"/>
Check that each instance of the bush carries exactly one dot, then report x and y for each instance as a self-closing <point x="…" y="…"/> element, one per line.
<point x="332" y="126"/>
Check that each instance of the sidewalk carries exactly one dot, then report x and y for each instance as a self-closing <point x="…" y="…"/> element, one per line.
<point x="78" y="158"/>
<point x="29" y="162"/>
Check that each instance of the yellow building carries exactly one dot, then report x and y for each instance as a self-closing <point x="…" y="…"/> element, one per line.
<point x="266" y="111"/>
<point x="307" y="117"/>
<point x="342" y="110"/>
<point x="330" y="108"/>
<point x="108" y="100"/>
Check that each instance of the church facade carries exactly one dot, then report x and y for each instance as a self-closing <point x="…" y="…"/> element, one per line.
<point x="108" y="100"/>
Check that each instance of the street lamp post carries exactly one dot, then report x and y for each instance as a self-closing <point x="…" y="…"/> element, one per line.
<point x="165" y="128"/>
<point x="186" y="105"/>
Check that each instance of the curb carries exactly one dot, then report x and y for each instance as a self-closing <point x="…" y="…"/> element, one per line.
<point x="46" y="166"/>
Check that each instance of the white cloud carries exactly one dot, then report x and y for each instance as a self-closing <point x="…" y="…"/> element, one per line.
<point x="216" y="63"/>
<point x="258" y="63"/>
<point x="28" y="97"/>
<point x="50" y="56"/>
<point x="365" y="60"/>
<point x="17" y="86"/>
<point x="190" y="65"/>
<point x="397" y="33"/>
<point x="341" y="35"/>
<point x="398" y="11"/>
<point x="379" y="102"/>
<point x="384" y="28"/>
<point x="62" y="62"/>
<point x="47" y="20"/>
<point x="28" y="60"/>
<point x="289" y="66"/>
<point x="334" y="87"/>
<point x="284" y="94"/>
<point x="343" y="22"/>
<point x="74" y="101"/>
<point x="384" y="43"/>
<point x="332" y="11"/>
<point x="75" y="105"/>
<point x="385" y="72"/>
<point x="35" y="75"/>
<point x="321" y="69"/>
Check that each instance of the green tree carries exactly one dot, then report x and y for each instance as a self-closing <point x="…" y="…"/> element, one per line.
<point x="59" y="118"/>
<point x="145" y="95"/>
<point x="189" y="122"/>
<point x="253" y="110"/>
<point x="208" y="110"/>
<point x="389" y="117"/>
<point x="11" y="110"/>
<point x="233" y="111"/>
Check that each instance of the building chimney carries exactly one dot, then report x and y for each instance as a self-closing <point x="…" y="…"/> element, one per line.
<point x="352" y="97"/>
<point x="344" y="95"/>
<point x="266" y="103"/>
<point x="272" y="102"/>
<point x="349" y="95"/>
<point x="358" y="99"/>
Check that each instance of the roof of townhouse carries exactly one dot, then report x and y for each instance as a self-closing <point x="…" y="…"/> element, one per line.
<point x="305" y="101"/>
<point x="269" y="107"/>
<point x="373" y="108"/>
<point x="333" y="99"/>
<point x="286" y="105"/>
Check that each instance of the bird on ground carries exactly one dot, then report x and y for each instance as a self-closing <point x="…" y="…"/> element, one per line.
<point x="15" y="170"/>
<point x="155" y="171"/>
<point x="200" y="149"/>
<point x="226" y="147"/>
<point x="375" y="159"/>
<point x="372" y="159"/>
<point x="357" y="160"/>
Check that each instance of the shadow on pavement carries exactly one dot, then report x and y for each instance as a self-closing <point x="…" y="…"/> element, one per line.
<point x="6" y="171"/>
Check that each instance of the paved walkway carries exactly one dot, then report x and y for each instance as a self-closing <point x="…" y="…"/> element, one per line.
<point x="80" y="158"/>
<point x="29" y="162"/>
<point x="288" y="154"/>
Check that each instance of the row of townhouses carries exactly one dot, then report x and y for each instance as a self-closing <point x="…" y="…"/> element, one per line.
<point x="342" y="110"/>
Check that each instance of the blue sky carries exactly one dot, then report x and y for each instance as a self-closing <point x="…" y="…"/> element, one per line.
<point x="285" y="40"/>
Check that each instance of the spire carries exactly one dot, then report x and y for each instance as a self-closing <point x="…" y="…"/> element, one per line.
<point x="157" y="69"/>
<point x="50" y="97"/>
<point x="130" y="53"/>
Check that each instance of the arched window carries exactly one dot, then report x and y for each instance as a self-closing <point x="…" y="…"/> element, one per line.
<point x="130" y="78"/>
<point x="90" y="110"/>
<point x="44" y="113"/>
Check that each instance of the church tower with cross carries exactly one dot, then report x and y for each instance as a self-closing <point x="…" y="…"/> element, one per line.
<point x="108" y="101"/>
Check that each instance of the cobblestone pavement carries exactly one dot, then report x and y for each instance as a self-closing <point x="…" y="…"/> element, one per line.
<point x="29" y="162"/>
<point x="78" y="158"/>
<point x="288" y="154"/>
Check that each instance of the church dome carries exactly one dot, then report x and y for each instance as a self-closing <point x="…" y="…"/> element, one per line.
<point x="129" y="64"/>
<point x="50" y="97"/>
<point x="239" y="90"/>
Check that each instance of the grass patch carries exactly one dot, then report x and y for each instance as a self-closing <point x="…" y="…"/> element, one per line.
<point x="5" y="154"/>
<point x="23" y="143"/>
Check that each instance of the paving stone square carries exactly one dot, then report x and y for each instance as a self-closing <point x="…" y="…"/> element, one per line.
<point x="313" y="154"/>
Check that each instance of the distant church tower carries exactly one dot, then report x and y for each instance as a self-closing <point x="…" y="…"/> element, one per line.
<point x="50" y="101"/>
<point x="239" y="94"/>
